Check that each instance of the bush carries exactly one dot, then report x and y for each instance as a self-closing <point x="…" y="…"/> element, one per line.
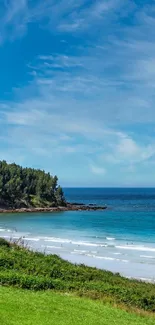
<point x="3" y="242"/>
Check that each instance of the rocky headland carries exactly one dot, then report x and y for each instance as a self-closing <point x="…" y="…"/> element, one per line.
<point x="68" y="207"/>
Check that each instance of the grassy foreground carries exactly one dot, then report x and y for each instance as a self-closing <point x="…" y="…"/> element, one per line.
<point x="25" y="269"/>
<point x="23" y="307"/>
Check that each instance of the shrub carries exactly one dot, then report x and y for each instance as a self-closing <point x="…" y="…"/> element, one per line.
<point x="3" y="242"/>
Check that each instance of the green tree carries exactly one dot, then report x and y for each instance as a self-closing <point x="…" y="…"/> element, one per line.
<point x="13" y="189"/>
<point x="18" y="185"/>
<point x="59" y="196"/>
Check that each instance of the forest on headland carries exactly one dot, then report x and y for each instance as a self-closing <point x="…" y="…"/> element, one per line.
<point x="28" y="187"/>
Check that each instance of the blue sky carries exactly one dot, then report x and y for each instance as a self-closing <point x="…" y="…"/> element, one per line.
<point x="77" y="89"/>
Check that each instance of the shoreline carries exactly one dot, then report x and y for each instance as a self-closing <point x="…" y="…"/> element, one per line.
<point x="88" y="261"/>
<point x="108" y="266"/>
<point x="68" y="207"/>
<point x="78" y="252"/>
<point x="105" y="264"/>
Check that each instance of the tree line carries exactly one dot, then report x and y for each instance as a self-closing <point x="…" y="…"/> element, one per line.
<point x="27" y="186"/>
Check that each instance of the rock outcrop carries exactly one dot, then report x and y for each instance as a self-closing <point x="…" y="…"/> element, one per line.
<point x="68" y="207"/>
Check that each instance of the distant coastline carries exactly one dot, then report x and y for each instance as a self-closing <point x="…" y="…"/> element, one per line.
<point x="34" y="190"/>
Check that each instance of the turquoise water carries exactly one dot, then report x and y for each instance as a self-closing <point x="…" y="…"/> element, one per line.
<point x="121" y="238"/>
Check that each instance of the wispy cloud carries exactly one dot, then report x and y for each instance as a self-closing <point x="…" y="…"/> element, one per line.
<point x="13" y="20"/>
<point x="55" y="15"/>
<point x="97" y="170"/>
<point x="83" y="17"/>
<point x="93" y="100"/>
<point x="14" y="9"/>
<point x="126" y="151"/>
<point x="60" y="107"/>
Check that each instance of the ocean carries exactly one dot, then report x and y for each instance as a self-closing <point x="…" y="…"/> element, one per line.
<point x="120" y="239"/>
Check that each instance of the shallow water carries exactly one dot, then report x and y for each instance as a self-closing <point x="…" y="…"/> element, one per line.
<point x="120" y="239"/>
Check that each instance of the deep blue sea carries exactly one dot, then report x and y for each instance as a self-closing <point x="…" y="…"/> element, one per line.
<point x="120" y="239"/>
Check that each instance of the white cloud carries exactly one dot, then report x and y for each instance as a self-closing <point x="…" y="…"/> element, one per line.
<point x="120" y="85"/>
<point x="45" y="131"/>
<point x="56" y="15"/>
<point x="127" y="148"/>
<point x="91" y="125"/>
<point x="97" y="170"/>
<point x="14" y="10"/>
<point x="126" y="151"/>
<point x="14" y="19"/>
<point x="89" y="103"/>
<point x="94" y="13"/>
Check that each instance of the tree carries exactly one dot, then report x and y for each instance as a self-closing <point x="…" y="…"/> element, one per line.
<point x="13" y="190"/>
<point x="59" y="196"/>
<point x="54" y="183"/>
<point x="19" y="184"/>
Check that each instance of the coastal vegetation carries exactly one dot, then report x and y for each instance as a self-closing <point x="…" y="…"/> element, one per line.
<point x="27" y="187"/>
<point x="25" y="269"/>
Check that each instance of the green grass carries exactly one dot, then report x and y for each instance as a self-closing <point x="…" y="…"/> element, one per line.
<point x="23" y="307"/>
<point x="25" y="269"/>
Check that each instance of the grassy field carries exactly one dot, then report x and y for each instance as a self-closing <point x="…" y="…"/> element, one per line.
<point x="23" y="307"/>
<point x="44" y="289"/>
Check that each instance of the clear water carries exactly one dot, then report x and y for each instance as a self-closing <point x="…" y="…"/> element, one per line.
<point x="120" y="239"/>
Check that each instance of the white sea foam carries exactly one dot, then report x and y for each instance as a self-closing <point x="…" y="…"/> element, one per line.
<point x="56" y="247"/>
<point x="79" y="243"/>
<point x="147" y="256"/>
<point x="107" y="258"/>
<point x="101" y="257"/>
<point x="137" y="248"/>
<point x="84" y="243"/>
<point x="79" y="251"/>
<point x="61" y="241"/>
<point x="29" y="238"/>
<point x="142" y="279"/>
<point x="6" y="230"/>
<point x="57" y="240"/>
<point x="110" y="238"/>
<point x="68" y="241"/>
